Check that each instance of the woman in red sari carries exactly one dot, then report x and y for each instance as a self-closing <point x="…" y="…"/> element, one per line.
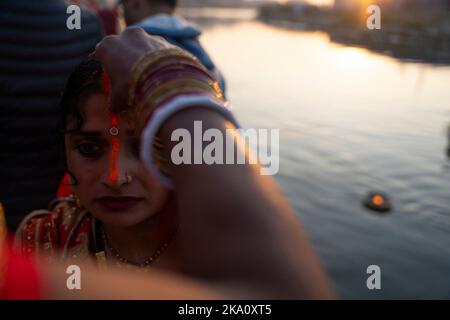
<point x="118" y="212"/>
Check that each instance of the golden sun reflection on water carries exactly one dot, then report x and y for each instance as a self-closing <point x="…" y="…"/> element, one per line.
<point x="322" y="2"/>
<point x="291" y="69"/>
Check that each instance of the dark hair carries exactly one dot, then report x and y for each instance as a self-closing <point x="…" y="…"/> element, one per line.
<point x="171" y="3"/>
<point x="85" y="80"/>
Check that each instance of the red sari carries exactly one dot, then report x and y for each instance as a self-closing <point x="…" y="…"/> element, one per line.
<point x="67" y="231"/>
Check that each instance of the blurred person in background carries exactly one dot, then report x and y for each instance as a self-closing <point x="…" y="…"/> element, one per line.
<point x="37" y="54"/>
<point x="107" y="12"/>
<point x="157" y="18"/>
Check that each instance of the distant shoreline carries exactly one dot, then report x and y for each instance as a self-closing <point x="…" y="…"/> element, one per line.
<point x="412" y="38"/>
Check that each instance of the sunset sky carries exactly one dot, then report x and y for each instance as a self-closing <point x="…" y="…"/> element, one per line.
<point x="321" y="2"/>
<point x="316" y="2"/>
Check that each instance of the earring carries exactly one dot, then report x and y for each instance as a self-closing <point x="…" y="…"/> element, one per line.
<point x="128" y="178"/>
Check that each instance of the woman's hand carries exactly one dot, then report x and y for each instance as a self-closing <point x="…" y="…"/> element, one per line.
<point x="118" y="54"/>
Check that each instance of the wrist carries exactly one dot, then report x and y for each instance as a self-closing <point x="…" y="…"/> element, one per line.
<point x="163" y="83"/>
<point x="157" y="159"/>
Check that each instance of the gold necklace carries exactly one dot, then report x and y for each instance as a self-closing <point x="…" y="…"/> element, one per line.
<point x="147" y="261"/>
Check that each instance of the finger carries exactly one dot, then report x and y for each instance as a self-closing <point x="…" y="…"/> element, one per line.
<point x="138" y="38"/>
<point x="160" y="42"/>
<point x="134" y="36"/>
<point x="103" y="47"/>
<point x="133" y="31"/>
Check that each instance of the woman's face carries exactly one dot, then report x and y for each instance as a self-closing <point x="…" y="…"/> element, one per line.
<point x="124" y="199"/>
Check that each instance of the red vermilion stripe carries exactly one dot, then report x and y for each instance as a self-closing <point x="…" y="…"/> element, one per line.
<point x="115" y="141"/>
<point x="113" y="164"/>
<point x="106" y="84"/>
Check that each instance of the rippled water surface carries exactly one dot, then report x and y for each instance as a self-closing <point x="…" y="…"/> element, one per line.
<point x="351" y="121"/>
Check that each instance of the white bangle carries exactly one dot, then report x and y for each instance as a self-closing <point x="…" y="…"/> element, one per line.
<point x="163" y="113"/>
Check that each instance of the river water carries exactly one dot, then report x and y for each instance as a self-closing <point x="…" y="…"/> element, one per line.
<point x="350" y="121"/>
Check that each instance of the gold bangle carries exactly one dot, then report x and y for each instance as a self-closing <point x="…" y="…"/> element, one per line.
<point x="140" y="71"/>
<point x="147" y="106"/>
<point x="172" y="87"/>
<point x="151" y="58"/>
<point x="180" y="84"/>
<point x="155" y="84"/>
<point x="152" y="101"/>
<point x="182" y="81"/>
